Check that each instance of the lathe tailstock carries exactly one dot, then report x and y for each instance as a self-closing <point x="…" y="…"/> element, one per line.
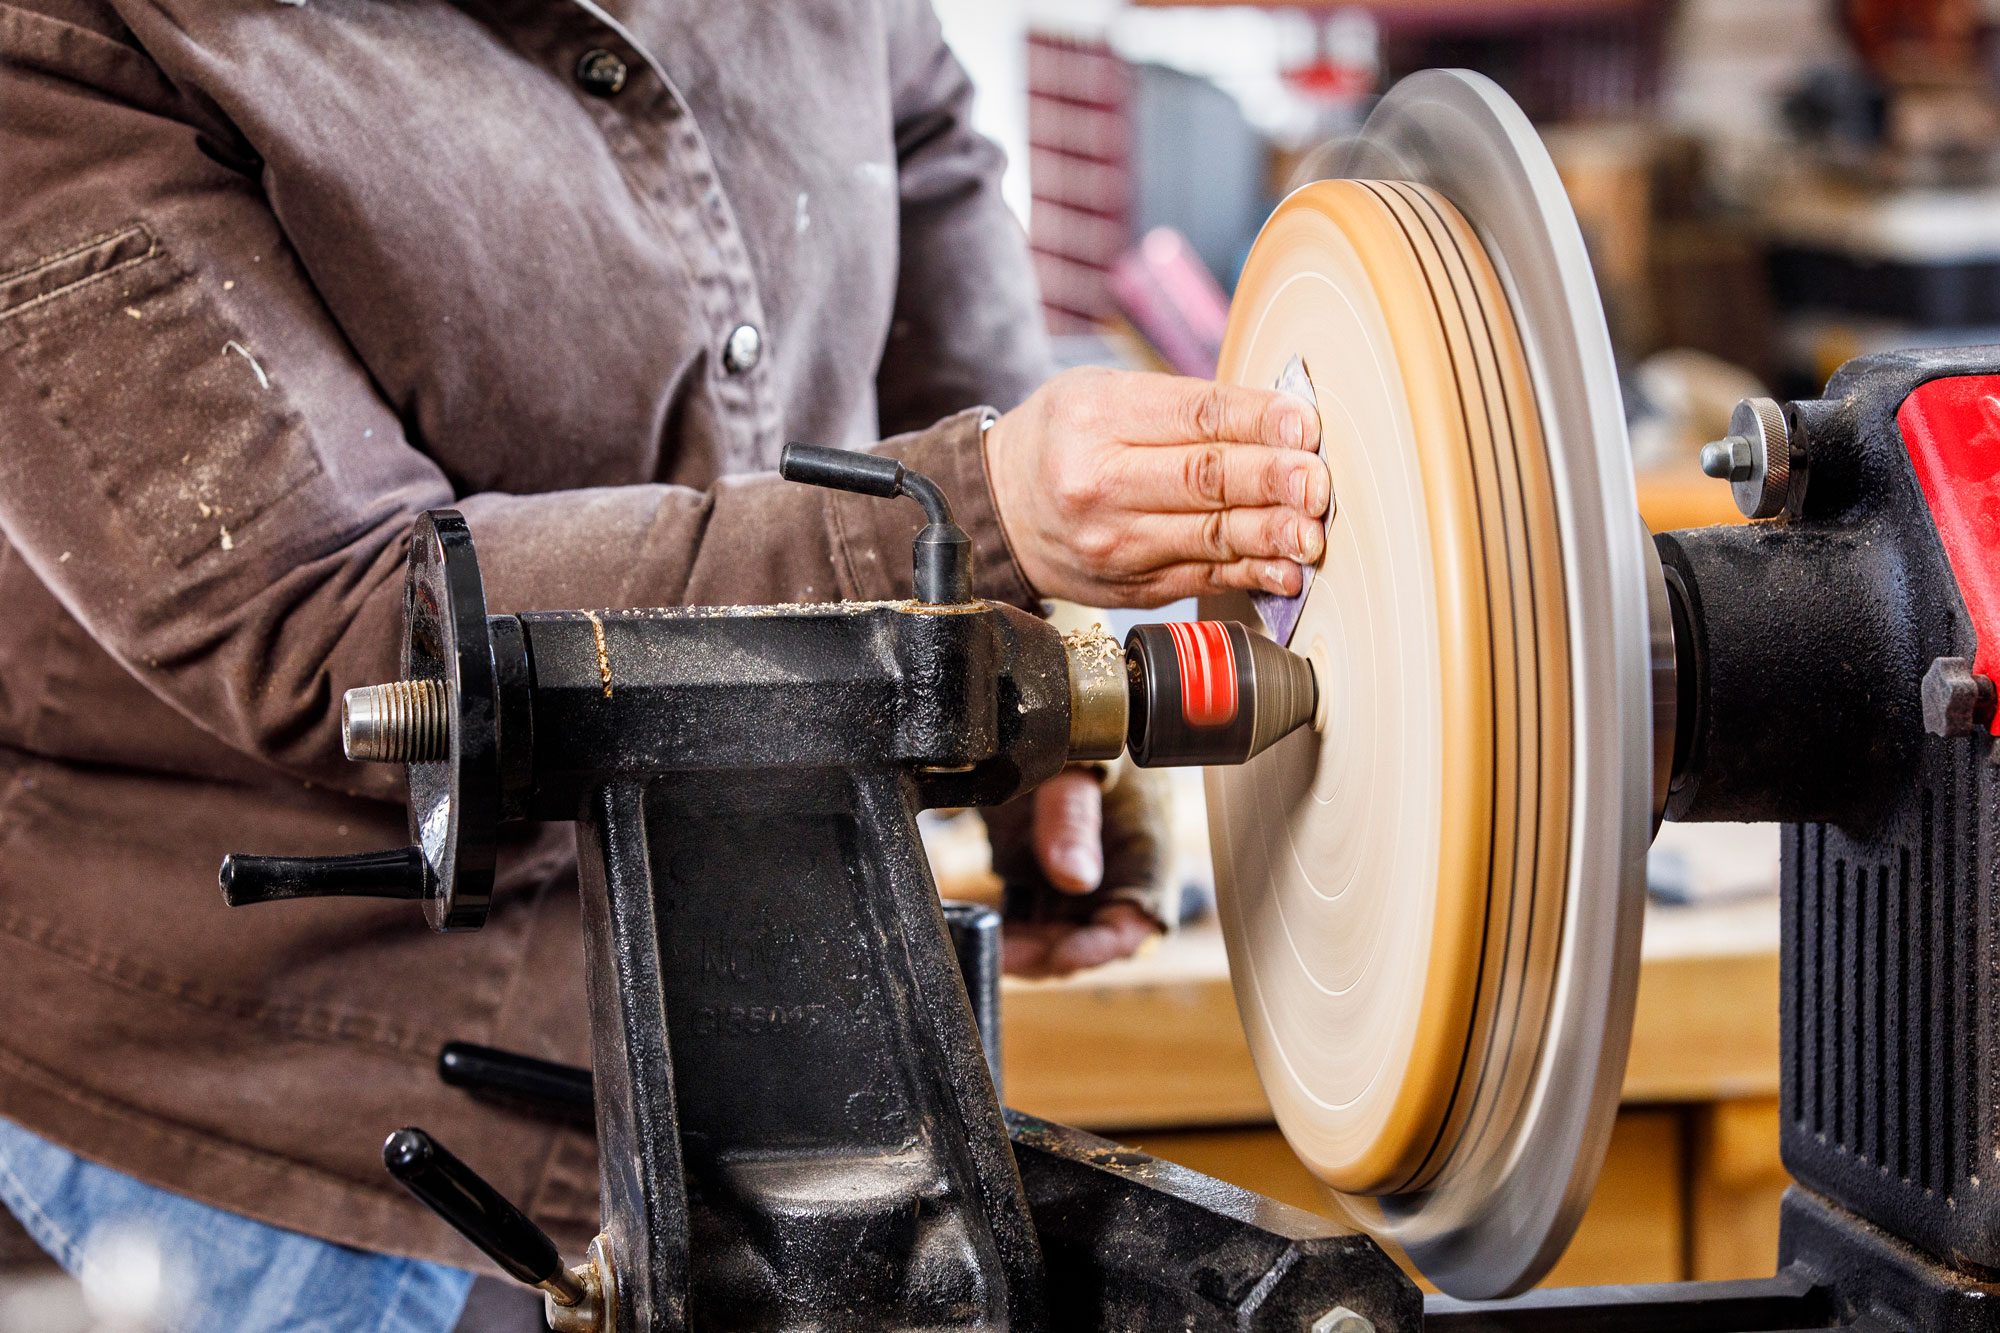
<point x="795" y="1116"/>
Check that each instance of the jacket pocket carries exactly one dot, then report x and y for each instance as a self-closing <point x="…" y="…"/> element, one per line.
<point x="66" y="271"/>
<point x="137" y="365"/>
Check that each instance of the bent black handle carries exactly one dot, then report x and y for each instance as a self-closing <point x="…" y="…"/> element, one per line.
<point x="841" y="470"/>
<point x="943" y="553"/>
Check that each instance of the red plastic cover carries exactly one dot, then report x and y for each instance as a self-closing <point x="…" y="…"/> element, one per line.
<point x="1208" y="671"/>
<point x="1952" y="429"/>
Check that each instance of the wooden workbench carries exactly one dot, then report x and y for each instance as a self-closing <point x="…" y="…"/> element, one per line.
<point x="1150" y="1051"/>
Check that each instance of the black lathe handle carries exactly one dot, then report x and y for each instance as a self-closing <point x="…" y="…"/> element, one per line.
<point x="842" y="470"/>
<point x="542" y="1086"/>
<point x="400" y="873"/>
<point x="941" y="554"/>
<point x="477" y="1211"/>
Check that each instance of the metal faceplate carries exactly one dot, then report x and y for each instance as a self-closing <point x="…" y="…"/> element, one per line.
<point x="1497" y="1224"/>
<point x="455" y="802"/>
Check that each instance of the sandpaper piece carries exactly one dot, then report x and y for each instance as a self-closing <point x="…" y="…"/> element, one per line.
<point x="1281" y="614"/>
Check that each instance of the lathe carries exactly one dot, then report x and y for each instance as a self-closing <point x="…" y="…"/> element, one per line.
<point x="1433" y="779"/>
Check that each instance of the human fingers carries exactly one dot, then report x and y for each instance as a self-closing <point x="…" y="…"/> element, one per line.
<point x="1172" y="409"/>
<point x="1025" y="945"/>
<point x="1120" y="930"/>
<point x="1199" y="477"/>
<point x="1224" y="536"/>
<point x="1068" y="831"/>
<point x="1140" y="842"/>
<point x="1199" y="578"/>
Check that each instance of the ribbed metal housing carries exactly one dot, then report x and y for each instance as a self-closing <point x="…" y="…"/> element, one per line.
<point x="1888" y="1019"/>
<point x="1889" y="1009"/>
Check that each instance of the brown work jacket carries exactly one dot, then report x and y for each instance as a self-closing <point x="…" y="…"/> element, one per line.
<point x="275" y="277"/>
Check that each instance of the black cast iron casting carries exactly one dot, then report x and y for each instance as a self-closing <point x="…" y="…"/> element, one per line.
<point x="1804" y="647"/>
<point x="793" y="1104"/>
<point x="797" y="1124"/>
<point x="794" y="1109"/>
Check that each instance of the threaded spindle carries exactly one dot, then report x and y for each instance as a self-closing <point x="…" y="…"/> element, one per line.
<point x="403" y="722"/>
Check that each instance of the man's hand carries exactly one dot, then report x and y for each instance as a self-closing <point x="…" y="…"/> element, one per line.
<point x="1118" y="488"/>
<point x="1063" y="851"/>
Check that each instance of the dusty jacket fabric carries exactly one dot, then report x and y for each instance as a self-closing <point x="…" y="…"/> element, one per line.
<point x="277" y="275"/>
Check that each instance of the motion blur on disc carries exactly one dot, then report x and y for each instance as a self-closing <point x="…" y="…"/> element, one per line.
<point x="1432" y="899"/>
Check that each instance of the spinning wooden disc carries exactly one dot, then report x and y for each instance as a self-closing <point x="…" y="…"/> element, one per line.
<point x="1421" y="894"/>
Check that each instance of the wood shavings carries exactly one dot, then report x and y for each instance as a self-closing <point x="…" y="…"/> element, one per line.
<point x="1094" y="644"/>
<point x="603" y="651"/>
<point x="263" y="380"/>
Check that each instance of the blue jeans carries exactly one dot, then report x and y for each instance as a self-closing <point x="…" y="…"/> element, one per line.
<point x="183" y="1265"/>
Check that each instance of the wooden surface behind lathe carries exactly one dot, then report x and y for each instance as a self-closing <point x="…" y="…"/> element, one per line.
<point x="1150" y="1051"/>
<point x="1154" y="1042"/>
<point x="1635" y="1230"/>
<point x="1689" y="1191"/>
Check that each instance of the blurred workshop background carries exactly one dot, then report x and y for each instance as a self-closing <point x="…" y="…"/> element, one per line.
<point x="1768" y="188"/>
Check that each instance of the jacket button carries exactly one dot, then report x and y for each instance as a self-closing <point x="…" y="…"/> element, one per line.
<point x="744" y="347"/>
<point x="601" y="73"/>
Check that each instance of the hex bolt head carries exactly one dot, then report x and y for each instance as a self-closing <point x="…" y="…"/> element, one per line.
<point x="1340" y="1319"/>
<point x="1759" y="458"/>
<point x="1730" y="458"/>
<point x="1957" y="701"/>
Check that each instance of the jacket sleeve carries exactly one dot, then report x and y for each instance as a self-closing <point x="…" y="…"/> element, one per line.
<point x="968" y="324"/>
<point x="197" y="465"/>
